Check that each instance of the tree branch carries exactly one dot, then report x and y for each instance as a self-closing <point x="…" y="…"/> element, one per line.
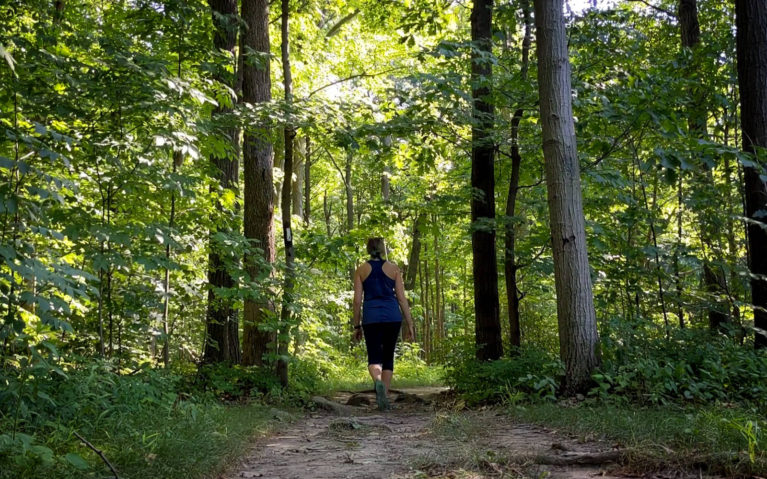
<point x="97" y="451"/>
<point x="351" y="77"/>
<point x="654" y="7"/>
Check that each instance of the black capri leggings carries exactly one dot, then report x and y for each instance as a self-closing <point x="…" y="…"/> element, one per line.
<point x="380" y="339"/>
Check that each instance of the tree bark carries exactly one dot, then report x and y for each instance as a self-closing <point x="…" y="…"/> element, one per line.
<point x="176" y="158"/>
<point x="510" y="239"/>
<point x="307" y="181"/>
<point x="221" y="322"/>
<point x="486" y="309"/>
<point x="297" y="194"/>
<point x="259" y="191"/>
<point x="289" y="134"/>
<point x="751" y="22"/>
<point x="349" y="192"/>
<point x="415" y="252"/>
<point x="578" y="338"/>
<point x="688" y="23"/>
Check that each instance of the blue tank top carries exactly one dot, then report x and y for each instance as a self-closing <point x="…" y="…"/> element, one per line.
<point x="379" y="302"/>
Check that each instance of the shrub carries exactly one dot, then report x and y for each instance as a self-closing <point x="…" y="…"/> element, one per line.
<point x="691" y="367"/>
<point x="530" y="375"/>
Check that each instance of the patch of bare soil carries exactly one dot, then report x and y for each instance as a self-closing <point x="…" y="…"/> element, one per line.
<point x="420" y="438"/>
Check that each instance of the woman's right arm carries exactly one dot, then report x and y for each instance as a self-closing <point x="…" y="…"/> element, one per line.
<point x="357" y="305"/>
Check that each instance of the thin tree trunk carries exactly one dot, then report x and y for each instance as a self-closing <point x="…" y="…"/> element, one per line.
<point x="653" y="236"/>
<point x="307" y="181"/>
<point x="259" y="190"/>
<point x="348" y="190"/>
<point x="327" y="211"/>
<point x="222" y="326"/>
<point x="437" y="299"/>
<point x="289" y="134"/>
<point x="486" y="308"/>
<point x="578" y="338"/>
<point x="428" y="311"/>
<point x="176" y="158"/>
<point x="297" y="193"/>
<point x="510" y="239"/>
<point x="415" y="251"/>
<point x="677" y="272"/>
<point x="751" y="22"/>
<point x="424" y="306"/>
<point x="696" y="120"/>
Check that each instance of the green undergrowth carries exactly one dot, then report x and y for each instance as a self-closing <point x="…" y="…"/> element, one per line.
<point x="692" y="401"/>
<point x="349" y="372"/>
<point x="691" y="368"/>
<point x="149" y="424"/>
<point x="713" y="440"/>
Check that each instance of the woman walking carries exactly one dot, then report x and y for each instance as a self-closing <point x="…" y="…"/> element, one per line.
<point x="379" y="283"/>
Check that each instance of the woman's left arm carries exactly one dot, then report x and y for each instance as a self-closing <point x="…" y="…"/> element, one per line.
<point x="408" y="334"/>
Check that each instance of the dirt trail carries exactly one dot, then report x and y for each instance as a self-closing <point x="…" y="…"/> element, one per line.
<point x="351" y="439"/>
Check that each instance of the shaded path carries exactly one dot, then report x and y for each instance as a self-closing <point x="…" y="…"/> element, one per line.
<point x="418" y="440"/>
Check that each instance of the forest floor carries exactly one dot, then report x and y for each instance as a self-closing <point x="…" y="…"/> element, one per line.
<point x="427" y="435"/>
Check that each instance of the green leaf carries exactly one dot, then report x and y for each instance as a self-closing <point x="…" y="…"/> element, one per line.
<point x="77" y="461"/>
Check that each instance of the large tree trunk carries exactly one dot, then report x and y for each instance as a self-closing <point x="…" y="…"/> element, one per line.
<point x="222" y="329"/>
<point x="578" y="338"/>
<point x="751" y="21"/>
<point x="510" y="239"/>
<point x="289" y="134"/>
<point x="486" y="310"/>
<point x="259" y="191"/>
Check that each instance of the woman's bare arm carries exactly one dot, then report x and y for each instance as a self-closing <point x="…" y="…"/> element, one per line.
<point x="357" y="305"/>
<point x="399" y="290"/>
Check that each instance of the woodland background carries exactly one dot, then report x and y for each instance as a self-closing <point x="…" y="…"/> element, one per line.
<point x="179" y="218"/>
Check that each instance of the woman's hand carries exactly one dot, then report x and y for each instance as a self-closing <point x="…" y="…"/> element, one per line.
<point x="408" y="333"/>
<point x="357" y="336"/>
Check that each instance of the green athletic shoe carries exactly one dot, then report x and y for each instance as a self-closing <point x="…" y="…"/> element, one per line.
<point x="381" y="400"/>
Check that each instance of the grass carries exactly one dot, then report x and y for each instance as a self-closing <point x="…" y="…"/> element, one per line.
<point x="719" y="440"/>
<point x="196" y="444"/>
<point x="356" y="378"/>
<point x="142" y="437"/>
<point x="350" y="373"/>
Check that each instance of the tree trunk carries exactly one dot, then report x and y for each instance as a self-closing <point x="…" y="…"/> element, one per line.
<point x="222" y="328"/>
<point x="177" y="158"/>
<point x="751" y="22"/>
<point x="307" y="181"/>
<point x="259" y="191"/>
<point x="510" y="239"/>
<point x="297" y="194"/>
<point x="415" y="252"/>
<point x="486" y="309"/>
<point x="289" y="134"/>
<point x="688" y="23"/>
<point x="578" y="338"/>
<point x="349" y="192"/>
<point x="439" y="307"/>
<point x="718" y="313"/>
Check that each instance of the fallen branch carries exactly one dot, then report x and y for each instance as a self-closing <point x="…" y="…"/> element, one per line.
<point x="97" y="451"/>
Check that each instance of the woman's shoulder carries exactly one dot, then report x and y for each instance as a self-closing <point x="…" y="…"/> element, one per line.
<point x="391" y="268"/>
